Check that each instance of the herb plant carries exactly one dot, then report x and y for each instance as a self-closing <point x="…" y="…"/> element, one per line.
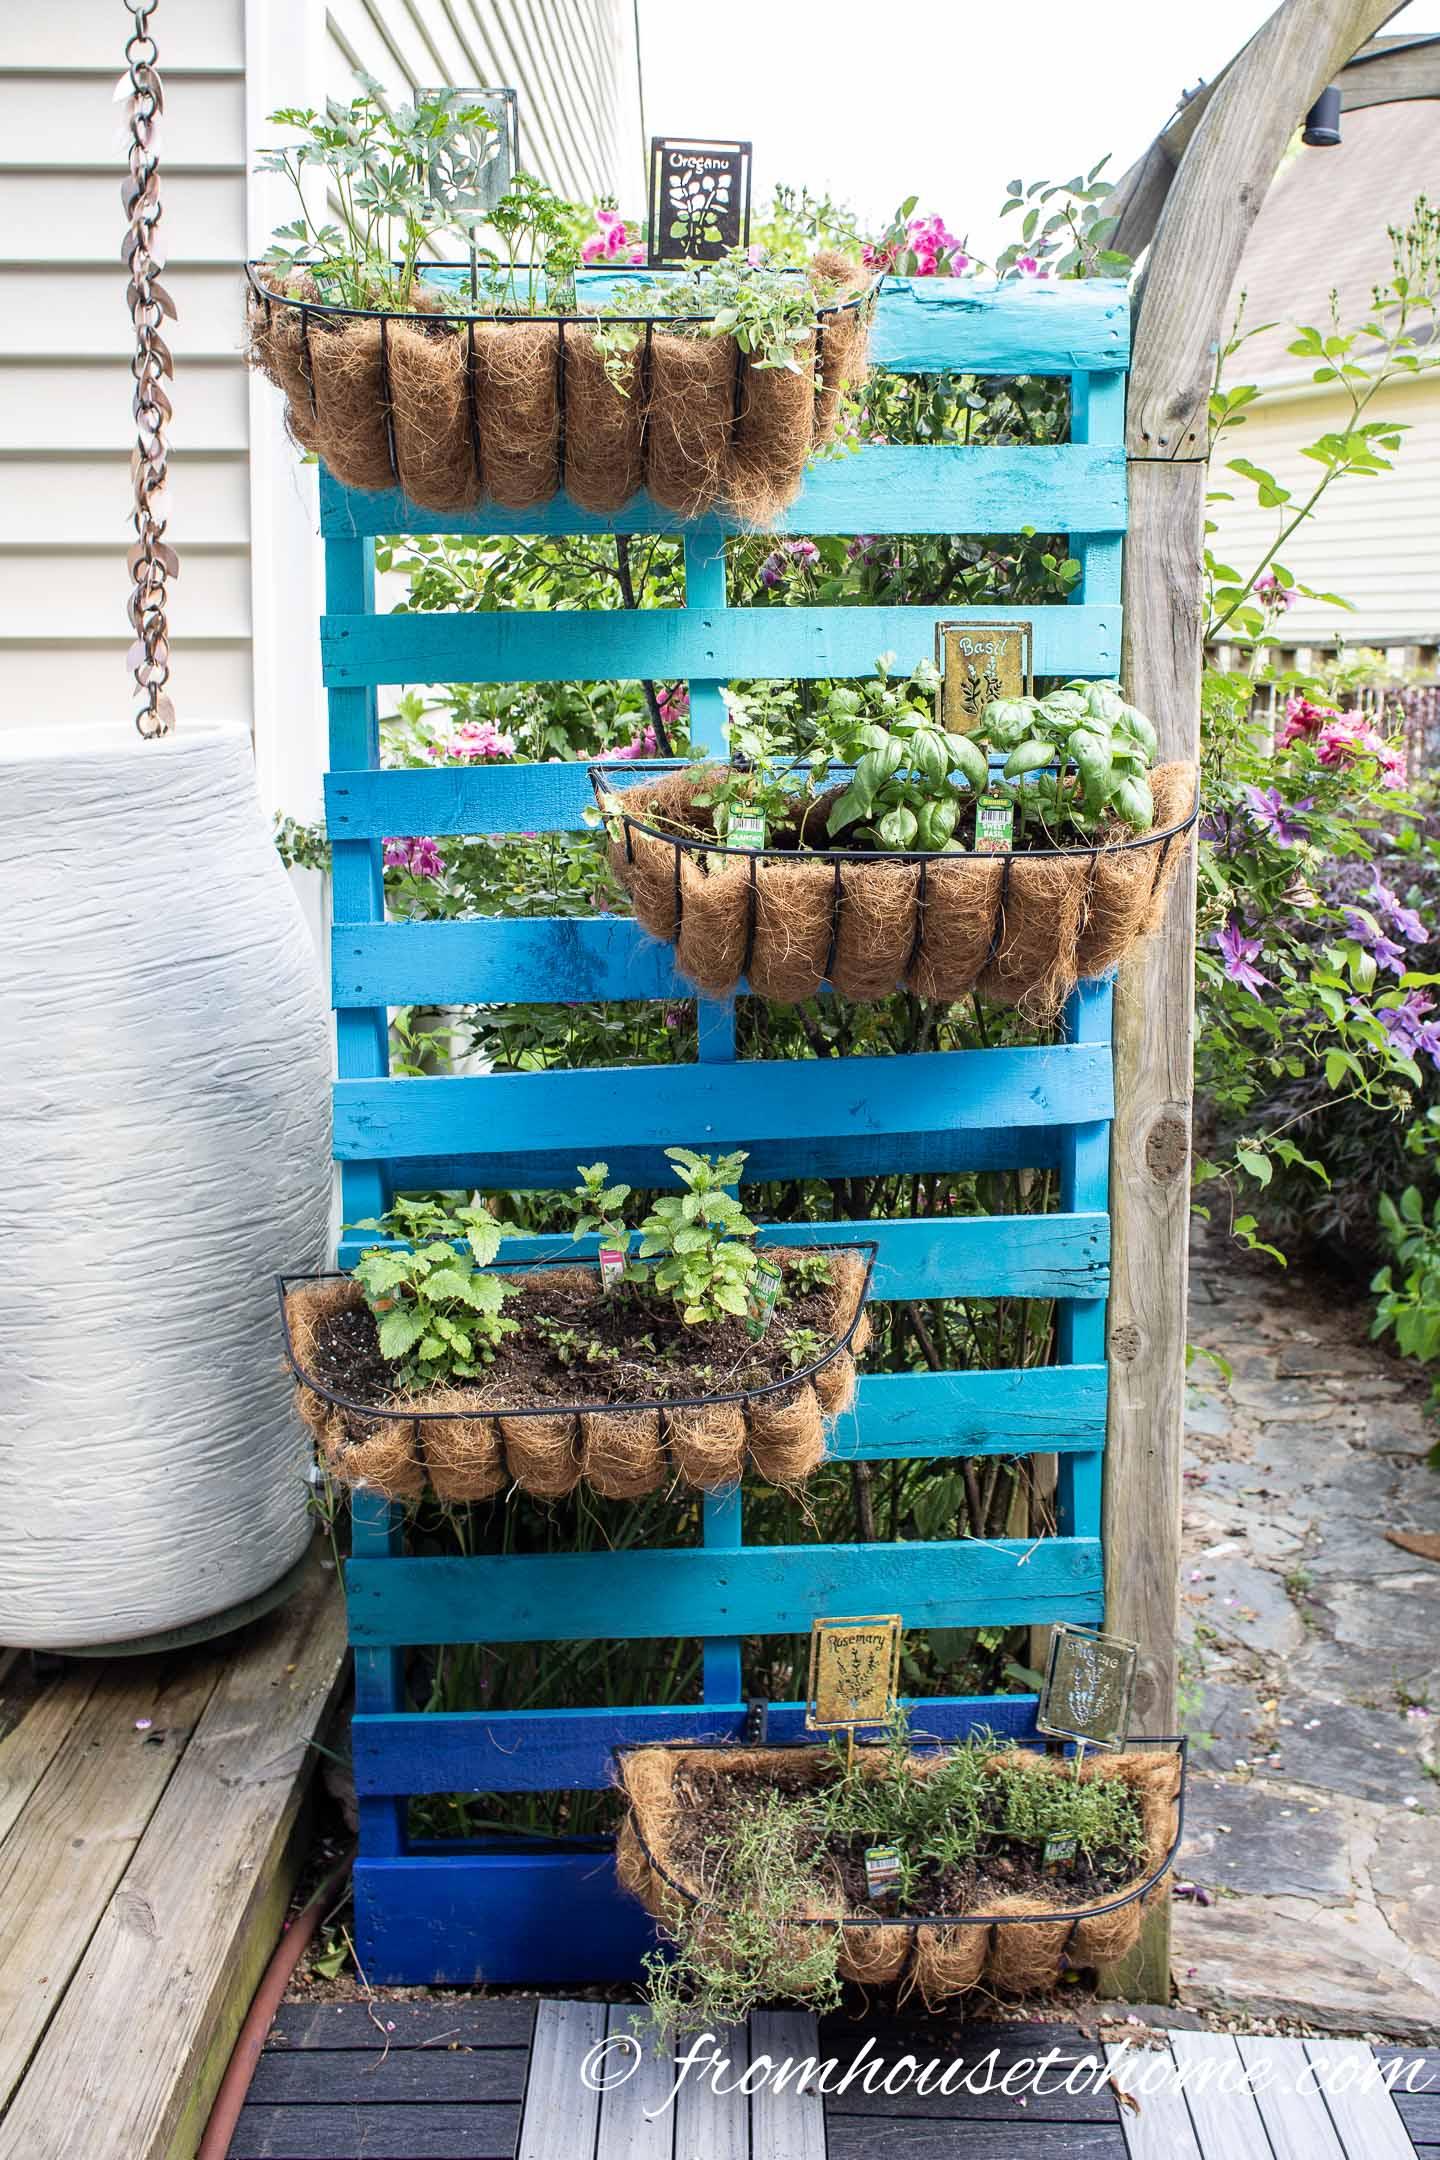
<point x="439" y="1316"/>
<point x="390" y="171"/>
<point x="698" y="1239"/>
<point x="378" y="166"/>
<point x="1076" y="759"/>
<point x="765" y="1862"/>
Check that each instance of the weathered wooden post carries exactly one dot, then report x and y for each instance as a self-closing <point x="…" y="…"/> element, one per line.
<point x="1200" y="211"/>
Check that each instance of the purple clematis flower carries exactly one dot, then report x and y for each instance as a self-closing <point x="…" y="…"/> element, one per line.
<point x="1382" y="949"/>
<point x="1240" y="954"/>
<point x="1404" y="919"/>
<point x="1277" y="817"/>
<point x="1410" y="1028"/>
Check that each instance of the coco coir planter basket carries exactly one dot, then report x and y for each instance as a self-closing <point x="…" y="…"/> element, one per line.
<point x="471" y="1441"/>
<point x="463" y="408"/>
<point x="1018" y="1946"/>
<point x="1021" y="927"/>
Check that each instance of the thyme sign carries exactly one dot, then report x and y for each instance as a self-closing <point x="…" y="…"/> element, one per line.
<point x="699" y="200"/>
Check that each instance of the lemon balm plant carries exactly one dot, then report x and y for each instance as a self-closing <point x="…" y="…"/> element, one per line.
<point x="701" y="1240"/>
<point x="439" y="1316"/>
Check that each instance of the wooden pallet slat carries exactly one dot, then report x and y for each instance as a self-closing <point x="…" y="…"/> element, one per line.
<point x="760" y="1590"/>
<point x="877" y="489"/>
<point x="1029" y="1256"/>
<point x="842" y="1101"/>
<point x="666" y="644"/>
<point x="573" y="1750"/>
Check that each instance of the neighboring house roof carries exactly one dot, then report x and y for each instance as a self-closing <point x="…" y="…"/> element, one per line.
<point x="1323" y="225"/>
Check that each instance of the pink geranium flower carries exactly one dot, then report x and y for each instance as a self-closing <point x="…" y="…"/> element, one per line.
<point x="611" y="241"/>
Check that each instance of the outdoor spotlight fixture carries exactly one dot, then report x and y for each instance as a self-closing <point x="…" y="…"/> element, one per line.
<point x="1322" y="122"/>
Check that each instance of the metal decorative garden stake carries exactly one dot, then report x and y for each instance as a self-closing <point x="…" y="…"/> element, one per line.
<point x="151" y="560"/>
<point x="699" y="200"/>
<point x="474" y="165"/>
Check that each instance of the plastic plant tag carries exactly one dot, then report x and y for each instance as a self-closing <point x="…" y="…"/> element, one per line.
<point x="882" y="1870"/>
<point x="763" y="1291"/>
<point x="612" y="1267"/>
<point x="1057" y="1848"/>
<point x="746" y="829"/>
<point x="994" y="825"/>
<point x="1088" y="1684"/>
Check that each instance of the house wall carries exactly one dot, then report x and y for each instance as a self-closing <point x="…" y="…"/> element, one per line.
<point x="241" y="507"/>
<point x="1373" y="540"/>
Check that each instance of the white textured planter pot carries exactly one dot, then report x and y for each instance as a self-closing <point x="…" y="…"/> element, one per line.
<point x="165" y="1124"/>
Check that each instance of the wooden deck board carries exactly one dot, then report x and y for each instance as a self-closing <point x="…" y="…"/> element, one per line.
<point x="562" y="2114"/>
<point x="28" y="1749"/>
<point x="711" y="2125"/>
<point x="480" y="2132"/>
<point x="434" y="2085"/>
<point x="1364" y="2115"/>
<point x="787" y="2120"/>
<point x="1162" y="2128"/>
<point x="1293" y="2111"/>
<point x="129" y="2062"/>
<point x="74" y="1840"/>
<point x="635" y="2122"/>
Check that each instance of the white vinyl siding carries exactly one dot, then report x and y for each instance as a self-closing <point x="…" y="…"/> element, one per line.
<point x="65" y="423"/>
<point x="66" y="428"/>
<point x="1373" y="540"/>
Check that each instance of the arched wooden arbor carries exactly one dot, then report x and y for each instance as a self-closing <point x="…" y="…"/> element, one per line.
<point x="1190" y="201"/>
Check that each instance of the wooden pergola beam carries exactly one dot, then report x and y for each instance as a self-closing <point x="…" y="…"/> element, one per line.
<point x="1204" y="209"/>
<point x="1386" y="71"/>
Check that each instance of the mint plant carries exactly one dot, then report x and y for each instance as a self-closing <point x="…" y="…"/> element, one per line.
<point x="600" y="1208"/>
<point x="698" y="1239"/>
<point x="439" y="1316"/>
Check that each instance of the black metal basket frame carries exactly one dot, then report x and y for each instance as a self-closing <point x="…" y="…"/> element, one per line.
<point x="914" y="1922"/>
<point x="386" y="1415"/>
<point x="697" y="846"/>
<point x="330" y="311"/>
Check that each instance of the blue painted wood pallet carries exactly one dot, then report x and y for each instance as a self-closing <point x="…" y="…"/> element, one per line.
<point x="512" y="1910"/>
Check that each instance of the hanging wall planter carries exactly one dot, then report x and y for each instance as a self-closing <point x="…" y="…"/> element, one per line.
<point x="1008" y="1914"/>
<point x="459" y="408"/>
<point x="615" y="1392"/>
<point x="1021" y="926"/>
<point x="883" y="850"/>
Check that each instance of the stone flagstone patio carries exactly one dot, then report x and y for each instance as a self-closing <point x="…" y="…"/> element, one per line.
<point x="1312" y="1664"/>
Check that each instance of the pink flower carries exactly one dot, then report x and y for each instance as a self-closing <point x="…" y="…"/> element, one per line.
<point x="1350" y="735"/>
<point x="772" y="570"/>
<point x="480" y="739"/>
<point x="643" y="745"/>
<point x="754" y="255"/>
<point x="422" y="858"/>
<point x="935" y="250"/>
<point x="674" y="703"/>
<point x="1302" y="719"/>
<point x="1274" y="595"/>
<point x="1029" y="267"/>
<point x="611" y="241"/>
